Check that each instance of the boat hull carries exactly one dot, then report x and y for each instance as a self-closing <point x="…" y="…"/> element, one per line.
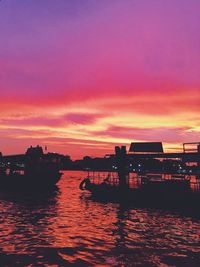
<point x="154" y="197"/>
<point x="38" y="181"/>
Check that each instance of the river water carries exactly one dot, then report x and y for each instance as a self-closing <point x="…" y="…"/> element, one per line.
<point x="65" y="227"/>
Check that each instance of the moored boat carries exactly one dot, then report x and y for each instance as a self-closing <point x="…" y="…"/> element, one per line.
<point x="172" y="189"/>
<point x="168" y="190"/>
<point x="39" y="170"/>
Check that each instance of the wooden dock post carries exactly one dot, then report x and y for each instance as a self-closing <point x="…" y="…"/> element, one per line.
<point x="121" y="162"/>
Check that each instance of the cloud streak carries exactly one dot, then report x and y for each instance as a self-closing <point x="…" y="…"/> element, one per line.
<point x="54" y="121"/>
<point x="168" y="135"/>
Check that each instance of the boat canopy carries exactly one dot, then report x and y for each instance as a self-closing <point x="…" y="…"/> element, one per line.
<point x="145" y="147"/>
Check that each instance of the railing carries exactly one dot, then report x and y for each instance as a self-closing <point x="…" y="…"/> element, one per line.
<point x="100" y="177"/>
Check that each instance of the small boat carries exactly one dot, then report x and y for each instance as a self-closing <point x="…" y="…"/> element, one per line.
<point x="39" y="171"/>
<point x="171" y="190"/>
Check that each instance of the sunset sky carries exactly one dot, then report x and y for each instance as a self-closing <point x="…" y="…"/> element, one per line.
<point x="81" y="76"/>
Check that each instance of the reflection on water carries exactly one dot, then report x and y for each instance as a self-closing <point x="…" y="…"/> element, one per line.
<point x="66" y="227"/>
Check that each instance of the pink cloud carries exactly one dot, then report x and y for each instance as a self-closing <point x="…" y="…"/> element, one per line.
<point x="165" y="134"/>
<point x="54" y="121"/>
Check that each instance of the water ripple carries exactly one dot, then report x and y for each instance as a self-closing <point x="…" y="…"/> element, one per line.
<point x="66" y="227"/>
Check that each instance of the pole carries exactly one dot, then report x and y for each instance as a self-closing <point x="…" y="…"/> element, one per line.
<point x="121" y="162"/>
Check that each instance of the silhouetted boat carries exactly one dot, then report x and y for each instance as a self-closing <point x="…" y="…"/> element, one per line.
<point x="150" y="189"/>
<point x="40" y="171"/>
<point x="172" y="189"/>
